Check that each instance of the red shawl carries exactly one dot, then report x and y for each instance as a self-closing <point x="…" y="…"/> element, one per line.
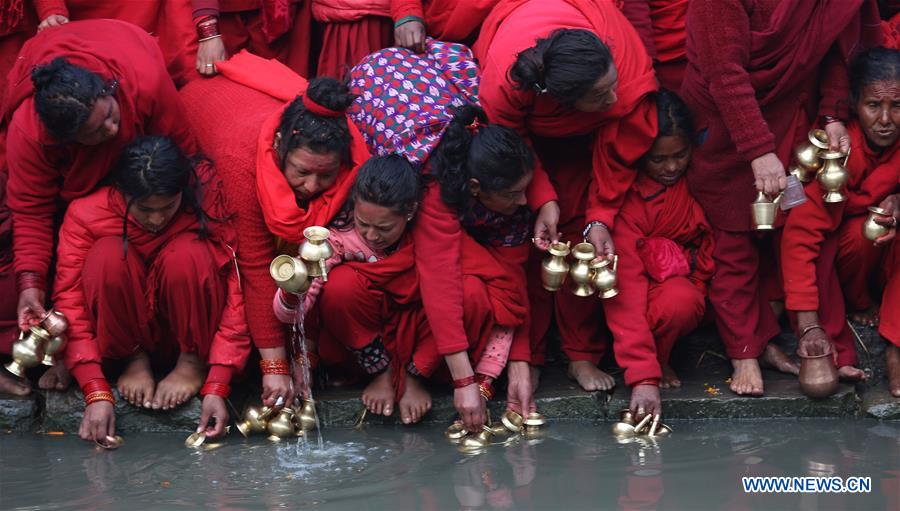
<point x="669" y="37"/>
<point x="623" y="133"/>
<point x="279" y="206"/>
<point x="456" y="21"/>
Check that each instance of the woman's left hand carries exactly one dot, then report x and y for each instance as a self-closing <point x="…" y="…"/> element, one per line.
<point x="645" y="399"/>
<point x="411" y="35"/>
<point x="213" y="407"/>
<point x="838" y="137"/>
<point x="519" y="394"/>
<point x="891" y="205"/>
<point x="54" y="20"/>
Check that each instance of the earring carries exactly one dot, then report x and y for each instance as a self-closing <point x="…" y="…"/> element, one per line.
<point x="409" y="218"/>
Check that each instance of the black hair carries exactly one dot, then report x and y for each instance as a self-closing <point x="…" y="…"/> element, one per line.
<point x="875" y="65"/>
<point x="64" y="96"/>
<point x="301" y="128"/>
<point x="470" y="148"/>
<point x="566" y="64"/>
<point x="388" y="181"/>
<point x="154" y="165"/>
<point x="674" y="116"/>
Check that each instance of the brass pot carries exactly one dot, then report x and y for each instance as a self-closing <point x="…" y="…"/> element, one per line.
<point x="55" y="323"/>
<point x="818" y="375"/>
<point x="604" y="277"/>
<point x="316" y="250"/>
<point x="53" y="347"/>
<point x="290" y="274"/>
<point x="808" y="154"/>
<point x="254" y="420"/>
<point x="763" y="210"/>
<point x="28" y="351"/>
<point x="456" y="432"/>
<point x="534" y="419"/>
<point x="802" y="174"/>
<point x="305" y="417"/>
<point x="512" y="421"/>
<point x="580" y="273"/>
<point x="833" y="177"/>
<point x="477" y="443"/>
<point x="555" y="269"/>
<point x="873" y="230"/>
<point x="282" y="426"/>
<point x="623" y="430"/>
<point x="626" y="416"/>
<point x="195" y="440"/>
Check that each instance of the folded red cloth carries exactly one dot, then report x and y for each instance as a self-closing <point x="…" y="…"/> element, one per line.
<point x="663" y="258"/>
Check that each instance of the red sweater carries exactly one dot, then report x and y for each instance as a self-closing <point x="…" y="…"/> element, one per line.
<point x="623" y="133"/>
<point x="651" y="210"/>
<point x="873" y="176"/>
<point x="754" y="82"/>
<point x="42" y="170"/>
<point x="100" y="215"/>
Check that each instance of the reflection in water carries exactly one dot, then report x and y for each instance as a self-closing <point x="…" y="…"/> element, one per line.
<point x="572" y="466"/>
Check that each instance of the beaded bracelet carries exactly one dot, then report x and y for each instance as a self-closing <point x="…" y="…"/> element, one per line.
<point x="217" y="389"/>
<point x="99" y="395"/>
<point x="464" y="382"/>
<point x="275" y="366"/>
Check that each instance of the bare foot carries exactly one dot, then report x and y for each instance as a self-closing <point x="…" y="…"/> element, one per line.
<point x="747" y="377"/>
<point x="589" y="376"/>
<point x="181" y="384"/>
<point x="136" y="383"/>
<point x="416" y="401"/>
<point x="892" y="356"/>
<point x="776" y="359"/>
<point x="669" y="378"/>
<point x="851" y="373"/>
<point x="868" y="317"/>
<point x="378" y="396"/>
<point x="535" y="377"/>
<point x="14" y="386"/>
<point x="55" y="378"/>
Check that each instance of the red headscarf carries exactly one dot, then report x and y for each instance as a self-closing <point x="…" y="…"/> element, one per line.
<point x="276" y="198"/>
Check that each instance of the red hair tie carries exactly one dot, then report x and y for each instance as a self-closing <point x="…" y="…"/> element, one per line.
<point x="320" y="110"/>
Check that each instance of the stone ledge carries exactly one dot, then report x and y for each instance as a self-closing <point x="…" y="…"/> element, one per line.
<point x="63" y="412"/>
<point x="18" y="413"/>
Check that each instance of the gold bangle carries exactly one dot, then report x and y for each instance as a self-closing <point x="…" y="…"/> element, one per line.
<point x="210" y="38"/>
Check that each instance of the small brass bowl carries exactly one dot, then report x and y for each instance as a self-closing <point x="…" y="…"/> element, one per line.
<point x="195" y="440"/>
<point x="111" y="443"/>
<point x="534" y="419"/>
<point x="512" y="421"/>
<point x="456" y="431"/>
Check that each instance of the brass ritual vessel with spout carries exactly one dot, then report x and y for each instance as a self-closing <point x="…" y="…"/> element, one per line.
<point x="809" y="155"/>
<point x="40" y="343"/>
<point x="555" y="269"/>
<point x="580" y="273"/>
<point x="833" y="177"/>
<point x="603" y="276"/>
<point x="649" y="426"/>
<point x="255" y="420"/>
<point x="764" y="211"/>
<point x="282" y="426"/>
<point x="305" y="416"/>
<point x="871" y="229"/>
<point x="316" y="250"/>
<point x="290" y="274"/>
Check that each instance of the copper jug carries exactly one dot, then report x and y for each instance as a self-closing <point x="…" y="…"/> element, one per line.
<point x="604" y="276"/>
<point x="316" y="250"/>
<point x="55" y="323"/>
<point x="554" y="269"/>
<point x="833" y="177"/>
<point x="818" y="375"/>
<point x="290" y="274"/>
<point x="580" y="272"/>
<point x="28" y="351"/>
<point x="873" y="230"/>
<point x="808" y="154"/>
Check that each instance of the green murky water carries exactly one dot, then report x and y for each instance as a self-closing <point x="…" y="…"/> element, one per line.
<point x="575" y="465"/>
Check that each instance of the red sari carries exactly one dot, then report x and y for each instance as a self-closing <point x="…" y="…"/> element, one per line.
<point x="41" y="169"/>
<point x="824" y="254"/>
<point x="249" y="96"/>
<point x="740" y="47"/>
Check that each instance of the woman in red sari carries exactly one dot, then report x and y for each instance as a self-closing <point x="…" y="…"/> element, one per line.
<point x="825" y="257"/>
<point x="287" y="163"/>
<point x="665" y="249"/>
<point x="755" y="82"/>
<point x="147" y="273"/>
<point x="374" y="307"/>
<point x="76" y="96"/>
<point x="574" y="77"/>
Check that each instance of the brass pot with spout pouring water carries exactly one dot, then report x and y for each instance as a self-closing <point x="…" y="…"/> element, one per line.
<point x="290" y="274"/>
<point x="316" y="250"/>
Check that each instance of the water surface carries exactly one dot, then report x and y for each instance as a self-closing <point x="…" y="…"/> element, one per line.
<point x="575" y="465"/>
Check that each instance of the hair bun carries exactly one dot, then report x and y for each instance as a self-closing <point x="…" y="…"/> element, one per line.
<point x="330" y="93"/>
<point x="45" y="74"/>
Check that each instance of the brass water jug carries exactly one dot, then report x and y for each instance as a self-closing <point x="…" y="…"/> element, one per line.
<point x="53" y="346"/>
<point x="305" y="415"/>
<point x="763" y="210"/>
<point x="254" y="421"/>
<point x="833" y="177"/>
<point x="290" y="274"/>
<point x="477" y="443"/>
<point x="872" y="230"/>
<point x="554" y="269"/>
<point x="282" y="426"/>
<point x="580" y="272"/>
<point x="604" y="276"/>
<point x="316" y="250"/>
<point x="28" y="351"/>
<point x="808" y="154"/>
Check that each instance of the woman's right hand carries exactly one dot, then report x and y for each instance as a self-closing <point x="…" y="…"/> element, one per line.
<point x="768" y="173"/>
<point x="31" y="307"/>
<point x="99" y="422"/>
<point x="208" y="53"/>
<point x="891" y="206"/>
<point x="600" y="237"/>
<point x="470" y="405"/>
<point x="545" y="225"/>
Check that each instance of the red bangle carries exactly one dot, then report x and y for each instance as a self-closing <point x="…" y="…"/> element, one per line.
<point x="217" y="389"/>
<point x="464" y="382"/>
<point x="93" y="397"/>
<point x="30" y="279"/>
<point x="95" y="385"/>
<point x="275" y="366"/>
<point x="647" y="381"/>
<point x="207" y="28"/>
<point x="486" y="389"/>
